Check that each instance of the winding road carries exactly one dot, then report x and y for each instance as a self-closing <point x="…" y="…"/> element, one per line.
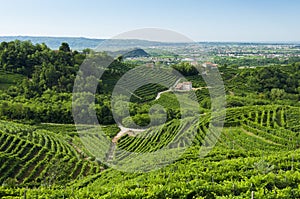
<point x="170" y="89"/>
<point x="123" y="131"/>
<point x="131" y="131"/>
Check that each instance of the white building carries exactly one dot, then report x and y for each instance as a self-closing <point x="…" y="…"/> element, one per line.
<point x="210" y="65"/>
<point x="184" y="86"/>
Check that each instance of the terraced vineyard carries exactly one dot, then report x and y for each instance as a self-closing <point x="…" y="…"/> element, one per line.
<point x="33" y="156"/>
<point x="257" y="153"/>
<point x="254" y="128"/>
<point x="147" y="92"/>
<point x="146" y="82"/>
<point x="261" y="128"/>
<point x="263" y="138"/>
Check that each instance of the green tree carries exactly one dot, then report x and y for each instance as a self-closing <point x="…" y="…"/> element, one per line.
<point x="65" y="47"/>
<point x="277" y="93"/>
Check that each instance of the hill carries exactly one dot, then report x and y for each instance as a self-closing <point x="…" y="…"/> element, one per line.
<point x="136" y="53"/>
<point x="76" y="43"/>
<point x="258" y="152"/>
<point x="79" y="43"/>
<point x="34" y="156"/>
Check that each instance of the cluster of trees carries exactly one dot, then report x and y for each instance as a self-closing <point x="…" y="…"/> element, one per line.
<point x="43" y="67"/>
<point x="250" y="61"/>
<point x="272" y="83"/>
<point x="52" y="73"/>
<point x="185" y="69"/>
<point x="279" y="77"/>
<point x="54" y="69"/>
<point x="143" y="114"/>
<point x="45" y="94"/>
<point x="55" y="108"/>
<point x="276" y="82"/>
<point x="49" y="107"/>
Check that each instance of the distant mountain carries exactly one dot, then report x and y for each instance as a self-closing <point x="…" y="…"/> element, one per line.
<point x="76" y="43"/>
<point x="79" y="43"/>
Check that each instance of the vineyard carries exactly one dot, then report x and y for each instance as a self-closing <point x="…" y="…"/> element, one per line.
<point x="257" y="152"/>
<point x="33" y="156"/>
<point x="265" y="128"/>
<point x="187" y="152"/>
<point x="144" y="83"/>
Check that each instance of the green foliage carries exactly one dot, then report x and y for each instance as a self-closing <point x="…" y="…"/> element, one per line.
<point x="8" y="79"/>
<point x="33" y="157"/>
<point x="185" y="69"/>
<point x="64" y="47"/>
<point x="283" y="80"/>
<point x="263" y="167"/>
<point x="258" y="150"/>
<point x="235" y="178"/>
<point x="233" y="62"/>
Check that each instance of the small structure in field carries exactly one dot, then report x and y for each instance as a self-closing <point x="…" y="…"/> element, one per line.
<point x="184" y="86"/>
<point x="210" y="65"/>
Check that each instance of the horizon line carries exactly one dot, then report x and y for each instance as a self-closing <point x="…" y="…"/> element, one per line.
<point x="105" y="38"/>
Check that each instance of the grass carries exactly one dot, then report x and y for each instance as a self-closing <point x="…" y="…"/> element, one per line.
<point x="8" y="79"/>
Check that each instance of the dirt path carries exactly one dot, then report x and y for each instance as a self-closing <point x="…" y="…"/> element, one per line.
<point x="131" y="131"/>
<point x="123" y="131"/>
<point x="200" y="88"/>
<point x="170" y="89"/>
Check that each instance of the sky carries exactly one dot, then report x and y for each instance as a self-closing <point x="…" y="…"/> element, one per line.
<point x="200" y="20"/>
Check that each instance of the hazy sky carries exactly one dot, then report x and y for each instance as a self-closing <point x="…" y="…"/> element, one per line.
<point x="200" y="20"/>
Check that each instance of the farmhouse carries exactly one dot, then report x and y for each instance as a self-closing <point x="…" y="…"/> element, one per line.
<point x="209" y="65"/>
<point x="184" y="86"/>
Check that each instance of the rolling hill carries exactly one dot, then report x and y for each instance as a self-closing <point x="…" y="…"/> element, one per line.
<point x="31" y="156"/>
<point x="258" y="151"/>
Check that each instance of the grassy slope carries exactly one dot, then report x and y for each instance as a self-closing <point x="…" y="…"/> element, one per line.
<point x="8" y="79"/>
